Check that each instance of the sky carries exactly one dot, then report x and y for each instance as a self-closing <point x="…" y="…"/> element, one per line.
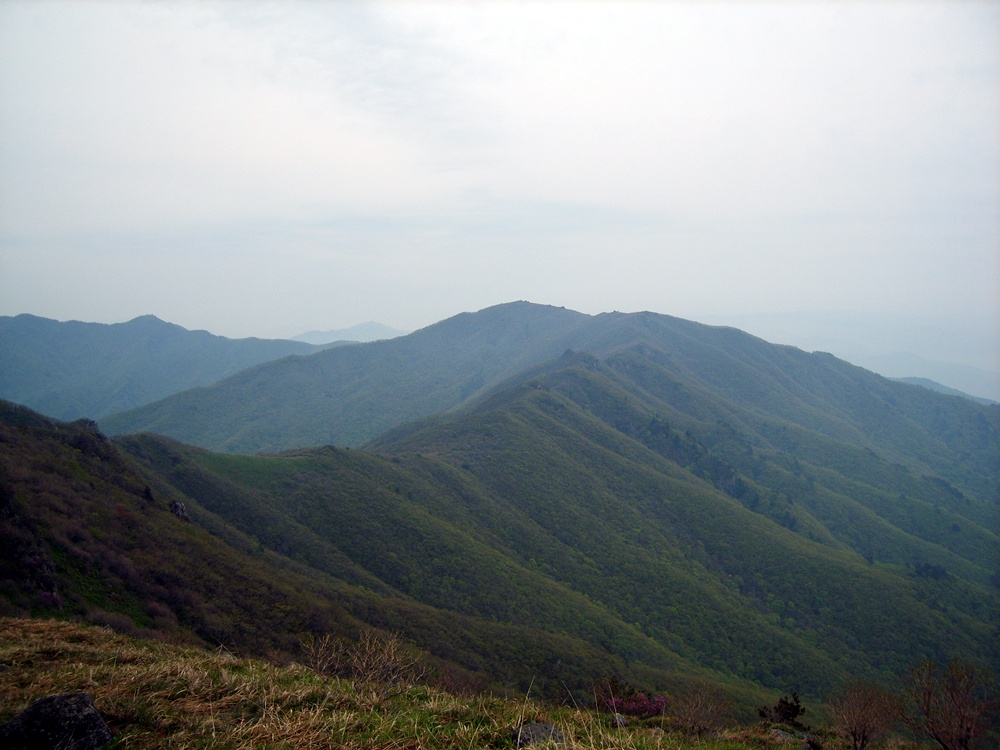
<point x="259" y="169"/>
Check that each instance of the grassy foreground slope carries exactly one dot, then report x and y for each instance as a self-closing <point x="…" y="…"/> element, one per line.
<point x="157" y="695"/>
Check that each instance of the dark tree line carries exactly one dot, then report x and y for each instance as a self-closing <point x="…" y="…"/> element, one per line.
<point x="951" y="705"/>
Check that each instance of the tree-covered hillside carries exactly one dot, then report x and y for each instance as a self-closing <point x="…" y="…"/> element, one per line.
<point x="829" y="541"/>
<point x="88" y="531"/>
<point x="72" y="369"/>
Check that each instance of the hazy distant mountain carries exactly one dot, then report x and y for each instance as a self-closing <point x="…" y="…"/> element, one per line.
<point x="370" y="331"/>
<point x="935" y="386"/>
<point x="971" y="381"/>
<point x="958" y="355"/>
<point x="74" y="369"/>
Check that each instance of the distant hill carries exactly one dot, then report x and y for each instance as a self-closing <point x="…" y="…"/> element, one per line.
<point x="966" y="380"/>
<point x="935" y="386"/>
<point x="370" y="331"/>
<point x="73" y="369"/>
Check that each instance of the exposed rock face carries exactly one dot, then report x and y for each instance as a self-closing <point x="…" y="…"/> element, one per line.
<point x="68" y="721"/>
<point x="532" y="734"/>
<point x="180" y="510"/>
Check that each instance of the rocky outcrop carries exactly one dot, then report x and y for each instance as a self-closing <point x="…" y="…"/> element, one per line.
<point x="68" y="721"/>
<point x="180" y="510"/>
<point x="533" y="734"/>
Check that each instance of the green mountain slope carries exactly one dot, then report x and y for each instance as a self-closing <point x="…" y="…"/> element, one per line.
<point x="73" y="369"/>
<point x="756" y="560"/>
<point x="89" y="531"/>
<point x="624" y="501"/>
<point x="587" y="534"/>
<point x="572" y="524"/>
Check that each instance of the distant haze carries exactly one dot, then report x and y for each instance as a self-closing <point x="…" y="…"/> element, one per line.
<point x="961" y="355"/>
<point x="820" y="174"/>
<point x="369" y="331"/>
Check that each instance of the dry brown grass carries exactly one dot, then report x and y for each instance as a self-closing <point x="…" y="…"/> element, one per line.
<point x="157" y="695"/>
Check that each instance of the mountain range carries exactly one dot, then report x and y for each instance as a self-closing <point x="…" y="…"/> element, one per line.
<point x="349" y="395"/>
<point x="532" y="496"/>
<point x="72" y="369"/>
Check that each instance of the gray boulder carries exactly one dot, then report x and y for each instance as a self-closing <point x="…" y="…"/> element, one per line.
<point x="180" y="510"/>
<point x="618" y="720"/>
<point x="68" y="721"/>
<point x="533" y="734"/>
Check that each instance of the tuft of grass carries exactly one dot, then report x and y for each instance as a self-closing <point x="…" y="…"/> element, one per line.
<point x="159" y="695"/>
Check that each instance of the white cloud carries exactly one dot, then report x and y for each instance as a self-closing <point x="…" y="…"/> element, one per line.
<point x="168" y="114"/>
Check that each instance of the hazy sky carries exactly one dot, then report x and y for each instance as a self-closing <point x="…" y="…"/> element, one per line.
<point x="265" y="169"/>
